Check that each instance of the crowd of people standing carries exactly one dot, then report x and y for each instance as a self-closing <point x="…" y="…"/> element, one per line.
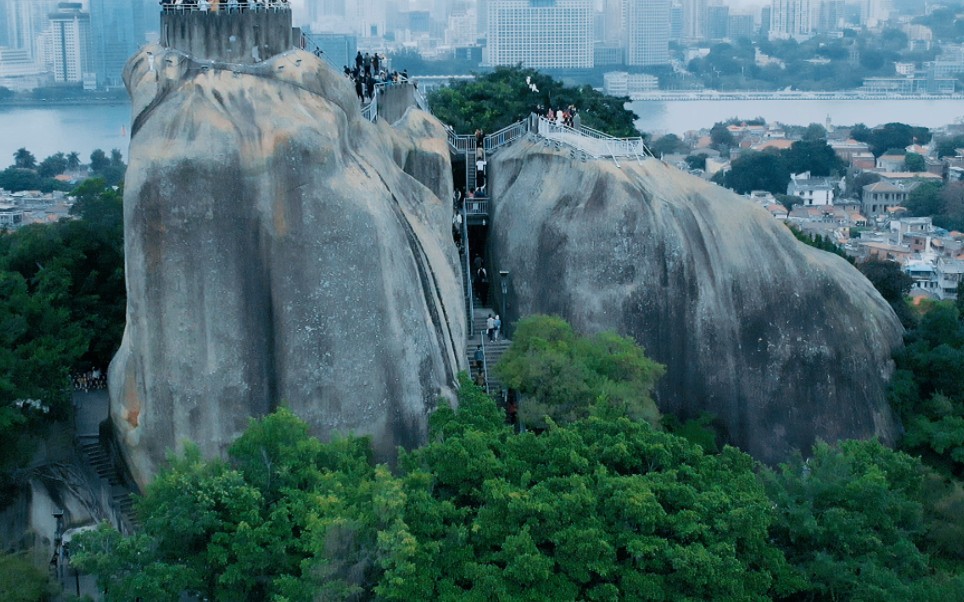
<point x="228" y="5"/>
<point x="370" y="71"/>
<point x="568" y="117"/>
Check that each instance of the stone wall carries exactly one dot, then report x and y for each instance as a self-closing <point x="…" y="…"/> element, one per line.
<point x="233" y="37"/>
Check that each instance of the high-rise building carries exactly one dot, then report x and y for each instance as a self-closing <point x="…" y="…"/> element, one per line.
<point x="117" y="29"/>
<point x="765" y="19"/>
<point x="339" y="48"/>
<point x="790" y="19"/>
<point x="676" y="22"/>
<point x="647" y="32"/>
<point x="694" y="19"/>
<point x="740" y="26"/>
<point x="543" y="34"/>
<point x="68" y="43"/>
<point x="24" y="21"/>
<point x="717" y="22"/>
<point x="831" y="15"/>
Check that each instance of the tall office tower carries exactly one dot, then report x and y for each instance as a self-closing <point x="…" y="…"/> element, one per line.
<point x="117" y="30"/>
<point x="765" y="18"/>
<point x="740" y="26"/>
<point x="676" y="22"/>
<point x="542" y="34"/>
<point x="25" y="21"/>
<point x="367" y="18"/>
<point x="694" y="19"/>
<point x="613" y="21"/>
<point x="831" y="15"/>
<point x="319" y="9"/>
<point x="647" y="32"/>
<point x="717" y="22"/>
<point x="462" y="28"/>
<point x="790" y="19"/>
<point x="68" y="43"/>
<point x="482" y="13"/>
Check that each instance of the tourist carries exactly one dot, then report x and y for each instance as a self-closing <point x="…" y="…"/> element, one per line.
<point x="358" y="90"/>
<point x="498" y="326"/>
<point x="367" y="63"/>
<point x="358" y="61"/>
<point x="482" y="284"/>
<point x="490" y="327"/>
<point x="479" y="357"/>
<point x="375" y="60"/>
<point x="479" y="138"/>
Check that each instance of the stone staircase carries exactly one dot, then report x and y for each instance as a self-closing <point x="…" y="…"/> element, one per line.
<point x="100" y="460"/>
<point x="493" y="349"/>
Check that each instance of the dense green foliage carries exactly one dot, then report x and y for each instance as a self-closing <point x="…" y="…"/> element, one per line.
<point x="852" y="519"/>
<point x="495" y="100"/>
<point x="566" y="377"/>
<point x="943" y="202"/>
<point x="890" y="135"/>
<point x="27" y="174"/>
<point x="928" y="388"/>
<point x="602" y="509"/>
<point x="62" y="303"/>
<point x="21" y="581"/>
<point x="770" y="169"/>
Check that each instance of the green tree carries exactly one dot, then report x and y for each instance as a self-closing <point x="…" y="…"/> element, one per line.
<point x="565" y="376"/>
<point x="21" y="581"/>
<point x="752" y="170"/>
<point x="721" y="137"/>
<point x="54" y="165"/>
<point x="815" y="132"/>
<point x="947" y="147"/>
<point x="98" y="161"/>
<point x="914" y="162"/>
<point x="814" y="156"/>
<point x="286" y="518"/>
<point x="73" y="161"/>
<point x="494" y="100"/>
<point x="668" y="145"/>
<point x="604" y="508"/>
<point x="925" y="199"/>
<point x="16" y="179"/>
<point x="851" y="519"/>
<point x="697" y="161"/>
<point x="24" y="159"/>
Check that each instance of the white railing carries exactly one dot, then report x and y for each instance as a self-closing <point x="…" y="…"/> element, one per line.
<point x="594" y="143"/>
<point x="476" y="206"/>
<point x="506" y="135"/>
<point x="468" y="272"/>
<point x="370" y="111"/>
<point x="224" y="6"/>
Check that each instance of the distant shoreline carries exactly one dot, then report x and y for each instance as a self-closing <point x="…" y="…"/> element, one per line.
<point x="20" y="104"/>
<point x="846" y="95"/>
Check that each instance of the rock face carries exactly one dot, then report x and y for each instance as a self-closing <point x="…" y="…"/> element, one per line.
<point x="279" y="253"/>
<point x="782" y="342"/>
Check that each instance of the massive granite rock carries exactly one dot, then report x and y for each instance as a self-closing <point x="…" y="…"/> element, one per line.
<point x="279" y="253"/>
<point x="782" y="342"/>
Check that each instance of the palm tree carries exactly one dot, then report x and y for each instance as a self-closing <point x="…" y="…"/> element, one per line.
<point x="73" y="161"/>
<point x="24" y="159"/>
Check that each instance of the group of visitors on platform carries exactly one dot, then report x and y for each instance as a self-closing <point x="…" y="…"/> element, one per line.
<point x="229" y="5"/>
<point x="89" y="380"/>
<point x="568" y="117"/>
<point x="368" y="73"/>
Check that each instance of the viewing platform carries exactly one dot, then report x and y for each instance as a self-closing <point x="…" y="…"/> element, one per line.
<point x="232" y="32"/>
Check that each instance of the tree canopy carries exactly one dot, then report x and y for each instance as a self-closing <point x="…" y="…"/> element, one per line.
<point x="495" y="100"/>
<point x="566" y="376"/>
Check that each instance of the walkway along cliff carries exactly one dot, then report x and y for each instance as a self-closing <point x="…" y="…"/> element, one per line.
<point x="285" y="245"/>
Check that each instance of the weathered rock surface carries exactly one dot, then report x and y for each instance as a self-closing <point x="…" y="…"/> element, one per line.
<point x="277" y="252"/>
<point x="783" y="343"/>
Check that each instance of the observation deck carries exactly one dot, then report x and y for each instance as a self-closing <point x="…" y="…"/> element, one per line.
<point x="231" y="32"/>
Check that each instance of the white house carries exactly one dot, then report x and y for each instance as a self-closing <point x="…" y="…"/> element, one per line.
<point x="813" y="191"/>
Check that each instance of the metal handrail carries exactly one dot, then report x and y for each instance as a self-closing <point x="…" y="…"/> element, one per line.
<point x="225" y="6"/>
<point x="370" y="111"/>
<point x="506" y="135"/>
<point x="476" y="206"/>
<point x="468" y="270"/>
<point x="485" y="362"/>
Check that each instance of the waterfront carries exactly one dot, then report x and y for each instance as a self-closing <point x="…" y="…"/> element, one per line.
<point x="658" y="116"/>
<point x="45" y="130"/>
